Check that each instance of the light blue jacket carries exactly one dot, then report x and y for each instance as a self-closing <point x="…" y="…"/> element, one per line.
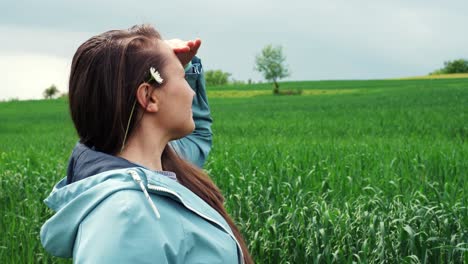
<point x="135" y="215"/>
<point x="106" y="218"/>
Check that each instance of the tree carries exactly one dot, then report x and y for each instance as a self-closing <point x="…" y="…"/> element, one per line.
<point x="50" y="92"/>
<point x="271" y="62"/>
<point x="455" y="66"/>
<point x="216" y="77"/>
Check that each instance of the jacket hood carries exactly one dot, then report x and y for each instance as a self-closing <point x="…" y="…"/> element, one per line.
<point x="71" y="204"/>
<point x="89" y="174"/>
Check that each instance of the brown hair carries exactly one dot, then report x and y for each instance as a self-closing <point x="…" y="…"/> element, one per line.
<point x="105" y="73"/>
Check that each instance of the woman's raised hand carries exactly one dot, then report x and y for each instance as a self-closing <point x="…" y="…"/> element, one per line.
<point x="185" y="50"/>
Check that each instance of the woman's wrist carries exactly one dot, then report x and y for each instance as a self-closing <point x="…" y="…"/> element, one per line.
<point x="188" y="66"/>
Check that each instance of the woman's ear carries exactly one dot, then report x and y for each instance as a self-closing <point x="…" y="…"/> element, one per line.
<point x="146" y="98"/>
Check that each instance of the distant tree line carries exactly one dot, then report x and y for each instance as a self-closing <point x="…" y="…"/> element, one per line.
<point x="219" y="77"/>
<point x="455" y="66"/>
<point x="271" y="63"/>
<point x="216" y="77"/>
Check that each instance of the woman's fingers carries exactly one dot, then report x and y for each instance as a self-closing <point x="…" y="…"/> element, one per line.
<point x="179" y="45"/>
<point x="185" y="50"/>
<point x="195" y="45"/>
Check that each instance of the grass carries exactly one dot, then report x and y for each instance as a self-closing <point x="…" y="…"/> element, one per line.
<point x="438" y="76"/>
<point x="376" y="174"/>
<point x="252" y="93"/>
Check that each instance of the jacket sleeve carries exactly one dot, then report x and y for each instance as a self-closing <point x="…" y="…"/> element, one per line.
<point x="196" y="146"/>
<point x="124" y="229"/>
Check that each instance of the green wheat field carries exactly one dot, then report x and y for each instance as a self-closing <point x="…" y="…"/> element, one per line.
<point x="348" y="172"/>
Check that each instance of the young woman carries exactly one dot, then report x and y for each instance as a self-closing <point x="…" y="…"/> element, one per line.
<point x="128" y="196"/>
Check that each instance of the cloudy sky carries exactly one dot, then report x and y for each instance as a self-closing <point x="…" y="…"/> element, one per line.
<point x="334" y="39"/>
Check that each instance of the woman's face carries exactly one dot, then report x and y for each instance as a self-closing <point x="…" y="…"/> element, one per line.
<point x="175" y="97"/>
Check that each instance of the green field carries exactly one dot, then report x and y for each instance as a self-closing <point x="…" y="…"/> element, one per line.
<point x="351" y="171"/>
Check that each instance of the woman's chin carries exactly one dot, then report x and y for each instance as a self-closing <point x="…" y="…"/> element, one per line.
<point x="186" y="131"/>
<point x="192" y="127"/>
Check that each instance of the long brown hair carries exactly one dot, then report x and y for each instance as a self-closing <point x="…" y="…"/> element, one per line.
<point x="105" y="73"/>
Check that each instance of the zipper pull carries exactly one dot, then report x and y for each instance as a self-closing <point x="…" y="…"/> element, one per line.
<point x="138" y="180"/>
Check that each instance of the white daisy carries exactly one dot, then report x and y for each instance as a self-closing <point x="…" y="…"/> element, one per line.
<point x="156" y="75"/>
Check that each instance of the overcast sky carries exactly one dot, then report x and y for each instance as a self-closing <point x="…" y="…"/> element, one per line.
<point x="334" y="39"/>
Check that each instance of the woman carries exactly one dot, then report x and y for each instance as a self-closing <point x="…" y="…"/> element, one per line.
<point x="128" y="196"/>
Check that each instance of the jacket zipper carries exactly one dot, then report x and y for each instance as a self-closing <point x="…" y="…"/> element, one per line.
<point x="165" y="190"/>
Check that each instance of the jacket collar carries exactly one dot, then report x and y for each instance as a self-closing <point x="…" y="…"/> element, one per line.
<point x="85" y="162"/>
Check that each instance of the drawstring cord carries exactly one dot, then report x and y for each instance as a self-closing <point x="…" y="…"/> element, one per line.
<point x="138" y="180"/>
